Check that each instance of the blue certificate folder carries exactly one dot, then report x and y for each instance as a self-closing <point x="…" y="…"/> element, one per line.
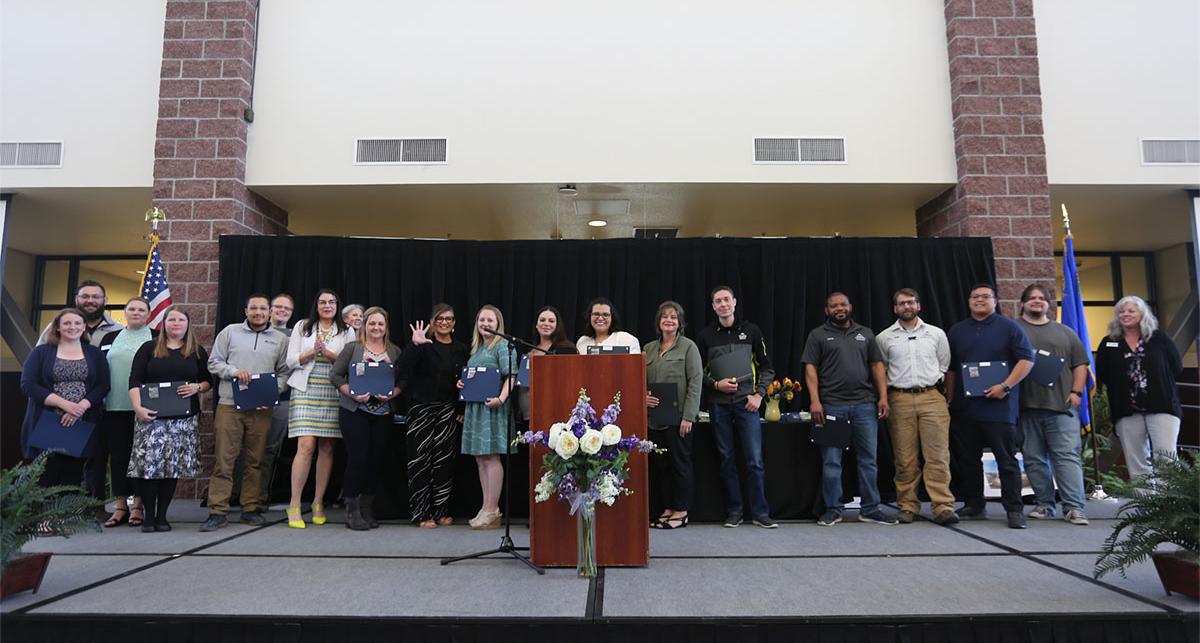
<point x="978" y="377"/>
<point x="479" y="383"/>
<point x="375" y="378"/>
<point x="1047" y="368"/>
<point x="164" y="398"/>
<point x="262" y="391"/>
<point x="50" y="435"/>
<point x="523" y="372"/>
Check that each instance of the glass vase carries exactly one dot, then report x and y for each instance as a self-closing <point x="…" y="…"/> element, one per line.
<point x="585" y="532"/>
<point x="773" y="413"/>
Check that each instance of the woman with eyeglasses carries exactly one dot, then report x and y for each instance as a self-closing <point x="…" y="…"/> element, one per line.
<point x="313" y="411"/>
<point x="1139" y="365"/>
<point x="603" y="326"/>
<point x="674" y="359"/>
<point x="429" y="369"/>
<point x="485" y="424"/>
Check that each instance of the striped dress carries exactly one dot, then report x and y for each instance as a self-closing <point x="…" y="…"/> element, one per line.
<point x="315" y="412"/>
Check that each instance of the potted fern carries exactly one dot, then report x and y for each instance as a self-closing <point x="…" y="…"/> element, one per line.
<point x="1164" y="508"/>
<point x="28" y="511"/>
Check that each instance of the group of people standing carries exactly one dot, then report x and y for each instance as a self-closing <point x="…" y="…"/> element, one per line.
<point x="911" y="375"/>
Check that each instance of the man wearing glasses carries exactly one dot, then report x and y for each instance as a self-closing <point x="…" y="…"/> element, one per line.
<point x="91" y="298"/>
<point x="989" y="418"/>
<point x="917" y="356"/>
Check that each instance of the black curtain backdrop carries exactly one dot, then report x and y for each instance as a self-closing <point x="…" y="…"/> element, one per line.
<point x="780" y="284"/>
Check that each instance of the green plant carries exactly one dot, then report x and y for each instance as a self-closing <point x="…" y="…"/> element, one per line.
<point x="1164" y="508"/>
<point x="29" y="510"/>
<point x="1112" y="476"/>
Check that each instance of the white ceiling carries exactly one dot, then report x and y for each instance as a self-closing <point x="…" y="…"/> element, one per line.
<point x="110" y="220"/>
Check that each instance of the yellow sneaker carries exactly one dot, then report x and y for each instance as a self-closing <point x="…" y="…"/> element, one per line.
<point x="295" y="520"/>
<point x="318" y="512"/>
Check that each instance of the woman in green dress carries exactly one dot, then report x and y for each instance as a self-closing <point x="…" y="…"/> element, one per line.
<point x="485" y="424"/>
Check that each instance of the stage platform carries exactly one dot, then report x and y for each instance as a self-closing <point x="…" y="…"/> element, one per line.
<point x="855" y="581"/>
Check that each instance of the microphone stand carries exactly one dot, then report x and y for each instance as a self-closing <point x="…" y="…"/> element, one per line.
<point x="506" y="542"/>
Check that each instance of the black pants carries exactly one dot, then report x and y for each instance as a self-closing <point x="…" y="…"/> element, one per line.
<point x="156" y="496"/>
<point x="62" y="469"/>
<point x="967" y="439"/>
<point x="432" y="450"/>
<point x="673" y="468"/>
<point x="364" y="436"/>
<point x="113" y="444"/>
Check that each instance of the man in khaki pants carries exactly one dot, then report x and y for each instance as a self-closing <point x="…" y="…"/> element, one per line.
<point x="240" y="352"/>
<point x="917" y="356"/>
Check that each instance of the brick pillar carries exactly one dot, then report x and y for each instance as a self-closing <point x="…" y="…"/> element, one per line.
<point x="200" y="158"/>
<point x="1001" y="155"/>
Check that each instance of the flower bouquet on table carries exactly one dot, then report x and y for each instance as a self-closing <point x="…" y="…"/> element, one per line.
<point x="776" y="391"/>
<point x="587" y="463"/>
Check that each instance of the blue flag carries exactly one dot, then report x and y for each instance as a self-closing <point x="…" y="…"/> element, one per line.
<point x="1071" y="316"/>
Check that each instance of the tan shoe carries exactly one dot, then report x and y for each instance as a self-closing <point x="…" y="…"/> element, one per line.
<point x="445" y="521"/>
<point x="488" y="521"/>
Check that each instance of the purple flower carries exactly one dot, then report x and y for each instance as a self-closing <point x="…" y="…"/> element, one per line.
<point x="645" y="446"/>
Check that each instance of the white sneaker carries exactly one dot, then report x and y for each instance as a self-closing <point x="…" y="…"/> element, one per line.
<point x="1076" y="517"/>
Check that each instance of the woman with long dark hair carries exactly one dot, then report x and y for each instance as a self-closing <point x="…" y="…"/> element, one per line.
<point x="166" y="449"/>
<point x="431" y="364"/>
<point x="549" y="333"/>
<point x="313" y="411"/>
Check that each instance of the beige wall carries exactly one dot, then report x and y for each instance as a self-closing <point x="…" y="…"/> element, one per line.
<point x="536" y="91"/>
<point x="86" y="74"/>
<point x="1112" y="72"/>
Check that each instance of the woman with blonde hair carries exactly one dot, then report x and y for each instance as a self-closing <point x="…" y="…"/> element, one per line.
<point x="1139" y="365"/>
<point x="365" y="419"/>
<point x="485" y="424"/>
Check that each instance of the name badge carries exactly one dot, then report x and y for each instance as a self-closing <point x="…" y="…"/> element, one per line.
<point x="1111" y="344"/>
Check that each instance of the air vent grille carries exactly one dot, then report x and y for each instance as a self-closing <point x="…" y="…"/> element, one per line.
<point x="655" y="233"/>
<point x="400" y="150"/>
<point x="1170" y="151"/>
<point x="799" y="150"/>
<point x="31" y="154"/>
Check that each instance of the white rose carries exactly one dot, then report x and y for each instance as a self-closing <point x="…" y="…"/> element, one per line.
<point x="611" y="434"/>
<point x="568" y="445"/>
<point x="555" y="431"/>
<point x="591" y="441"/>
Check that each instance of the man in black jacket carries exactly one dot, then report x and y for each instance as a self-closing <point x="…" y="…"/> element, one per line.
<point x="737" y="349"/>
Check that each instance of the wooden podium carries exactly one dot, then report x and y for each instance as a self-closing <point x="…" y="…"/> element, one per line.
<point x="622" y="530"/>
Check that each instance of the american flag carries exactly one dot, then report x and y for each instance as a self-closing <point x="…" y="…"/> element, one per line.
<point x="154" y="285"/>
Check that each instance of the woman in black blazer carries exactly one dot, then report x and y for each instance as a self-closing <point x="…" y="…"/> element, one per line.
<point x="1139" y="365"/>
<point x="365" y="419"/>
<point x="67" y="376"/>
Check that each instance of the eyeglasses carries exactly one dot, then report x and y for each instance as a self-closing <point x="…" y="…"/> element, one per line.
<point x="444" y="320"/>
<point x="602" y="315"/>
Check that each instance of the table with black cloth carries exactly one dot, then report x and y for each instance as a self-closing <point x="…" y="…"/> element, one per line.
<point x="791" y="462"/>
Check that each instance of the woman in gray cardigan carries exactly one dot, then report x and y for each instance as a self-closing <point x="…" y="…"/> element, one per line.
<point x="365" y="419"/>
<point x="674" y="359"/>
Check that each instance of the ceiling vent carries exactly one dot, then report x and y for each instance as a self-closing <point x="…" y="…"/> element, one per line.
<point x="655" y="233"/>
<point x="399" y="151"/>
<point x="31" y="155"/>
<point x="799" y="150"/>
<point x="1170" y="151"/>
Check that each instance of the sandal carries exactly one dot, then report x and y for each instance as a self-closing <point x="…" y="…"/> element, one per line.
<point x="137" y="515"/>
<point x="318" y="513"/>
<point x="295" y="519"/>
<point x="655" y="524"/>
<point x="445" y="521"/>
<point x="428" y="523"/>
<point x="119" y="516"/>
<point x="667" y="524"/>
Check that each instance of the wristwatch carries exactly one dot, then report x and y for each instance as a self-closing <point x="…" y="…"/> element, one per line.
<point x="1006" y="387"/>
<point x="1079" y="393"/>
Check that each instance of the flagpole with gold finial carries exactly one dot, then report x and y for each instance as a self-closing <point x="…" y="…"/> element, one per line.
<point x="153" y="216"/>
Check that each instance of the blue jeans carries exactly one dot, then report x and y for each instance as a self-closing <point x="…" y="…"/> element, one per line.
<point x="1052" y="442"/>
<point x="864" y="420"/>
<point x="727" y="419"/>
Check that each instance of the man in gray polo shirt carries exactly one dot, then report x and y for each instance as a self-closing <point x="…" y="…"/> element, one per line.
<point x="844" y="372"/>
<point x="917" y="356"/>
<point x="1050" y="413"/>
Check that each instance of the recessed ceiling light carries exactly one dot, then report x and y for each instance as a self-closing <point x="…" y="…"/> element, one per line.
<point x="597" y="223"/>
<point x="568" y="189"/>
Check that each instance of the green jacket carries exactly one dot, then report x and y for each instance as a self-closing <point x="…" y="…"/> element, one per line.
<point x="680" y="366"/>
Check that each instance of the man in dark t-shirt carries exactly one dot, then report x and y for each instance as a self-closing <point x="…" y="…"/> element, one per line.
<point x="1050" y="412"/>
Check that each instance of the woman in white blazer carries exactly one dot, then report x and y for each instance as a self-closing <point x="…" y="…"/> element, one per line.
<point x="313" y="414"/>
